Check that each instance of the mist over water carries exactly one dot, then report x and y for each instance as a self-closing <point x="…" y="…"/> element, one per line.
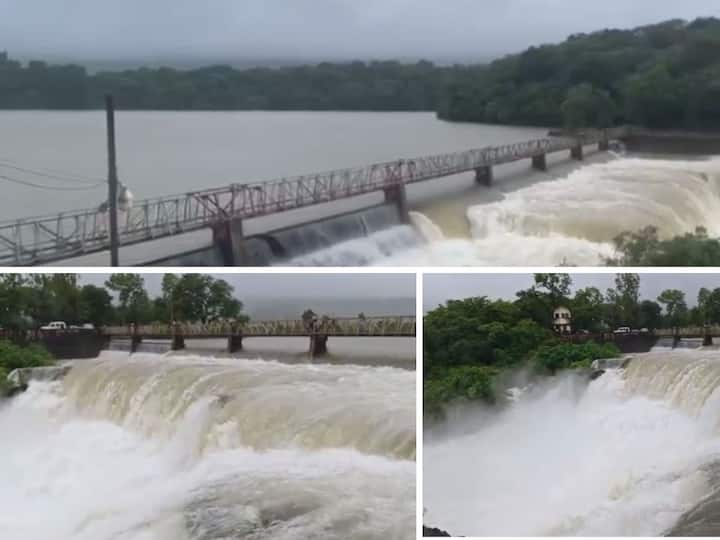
<point x="571" y="220"/>
<point x="165" y="447"/>
<point x="627" y="454"/>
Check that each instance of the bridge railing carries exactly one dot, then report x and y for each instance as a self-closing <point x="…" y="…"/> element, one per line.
<point x="375" y="326"/>
<point x="38" y="240"/>
<point x="689" y="331"/>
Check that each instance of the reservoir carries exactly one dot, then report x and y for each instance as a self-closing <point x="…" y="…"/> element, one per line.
<point x="569" y="214"/>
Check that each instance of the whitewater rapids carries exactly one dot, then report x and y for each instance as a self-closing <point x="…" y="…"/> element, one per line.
<point x="625" y="455"/>
<point x="569" y="221"/>
<point x="153" y="447"/>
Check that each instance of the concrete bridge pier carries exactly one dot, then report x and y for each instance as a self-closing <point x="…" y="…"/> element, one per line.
<point x="707" y="340"/>
<point x="135" y="342"/>
<point x="318" y="345"/>
<point x="178" y="342"/>
<point x="539" y="163"/>
<point x="396" y="195"/>
<point x="676" y="341"/>
<point x="234" y="343"/>
<point x="604" y="145"/>
<point x="229" y="237"/>
<point x="484" y="175"/>
<point x="576" y="152"/>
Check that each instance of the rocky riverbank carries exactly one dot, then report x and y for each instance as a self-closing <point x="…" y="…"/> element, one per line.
<point x="19" y="379"/>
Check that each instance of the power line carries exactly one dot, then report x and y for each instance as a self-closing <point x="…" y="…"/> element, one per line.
<point x="49" y="173"/>
<point x="52" y="188"/>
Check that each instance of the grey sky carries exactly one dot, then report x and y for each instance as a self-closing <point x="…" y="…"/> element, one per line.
<point x="438" y="288"/>
<point x="234" y="30"/>
<point x="280" y="296"/>
<point x="283" y="286"/>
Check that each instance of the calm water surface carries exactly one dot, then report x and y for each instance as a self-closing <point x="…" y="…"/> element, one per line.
<point x="163" y="153"/>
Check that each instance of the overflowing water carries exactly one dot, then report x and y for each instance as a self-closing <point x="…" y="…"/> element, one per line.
<point x="570" y="221"/>
<point x="625" y="455"/>
<point x="156" y="447"/>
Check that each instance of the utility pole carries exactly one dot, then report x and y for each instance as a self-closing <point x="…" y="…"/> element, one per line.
<point x="112" y="180"/>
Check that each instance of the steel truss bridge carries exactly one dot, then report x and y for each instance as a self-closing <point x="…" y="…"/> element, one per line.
<point x="390" y="326"/>
<point x="46" y="239"/>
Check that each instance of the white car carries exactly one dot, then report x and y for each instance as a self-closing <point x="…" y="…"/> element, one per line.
<point x="622" y="330"/>
<point x="55" y="325"/>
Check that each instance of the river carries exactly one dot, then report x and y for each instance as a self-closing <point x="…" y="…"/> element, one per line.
<point x="634" y="453"/>
<point x="567" y="215"/>
<point x="191" y="447"/>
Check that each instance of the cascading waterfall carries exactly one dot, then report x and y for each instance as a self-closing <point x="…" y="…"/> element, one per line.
<point x="628" y="454"/>
<point x="167" y="447"/>
<point x="572" y="220"/>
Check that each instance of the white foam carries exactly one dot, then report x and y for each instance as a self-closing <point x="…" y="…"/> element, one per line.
<point x="159" y="448"/>
<point x="568" y="221"/>
<point x="624" y="457"/>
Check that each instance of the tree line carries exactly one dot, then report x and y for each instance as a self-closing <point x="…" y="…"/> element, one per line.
<point x="661" y="75"/>
<point x="375" y="86"/>
<point x="29" y="301"/>
<point x="471" y="345"/>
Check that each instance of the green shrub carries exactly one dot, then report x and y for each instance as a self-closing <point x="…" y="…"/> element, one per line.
<point x="14" y="357"/>
<point x="4" y="385"/>
<point x="571" y="356"/>
<point x="475" y="383"/>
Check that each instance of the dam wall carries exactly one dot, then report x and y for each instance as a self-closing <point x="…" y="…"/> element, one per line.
<point x="281" y="245"/>
<point x="672" y="142"/>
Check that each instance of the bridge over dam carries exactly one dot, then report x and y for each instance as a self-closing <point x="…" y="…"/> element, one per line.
<point x="639" y="342"/>
<point x="225" y="210"/>
<point x="79" y="343"/>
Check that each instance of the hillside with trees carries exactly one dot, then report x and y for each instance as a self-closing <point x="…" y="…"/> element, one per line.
<point x="663" y="75"/>
<point x="472" y="345"/>
<point x="660" y="76"/>
<point x="373" y="86"/>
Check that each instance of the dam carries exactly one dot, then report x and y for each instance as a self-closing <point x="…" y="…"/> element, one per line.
<point x="62" y="236"/>
<point x="195" y="447"/>
<point x="359" y="217"/>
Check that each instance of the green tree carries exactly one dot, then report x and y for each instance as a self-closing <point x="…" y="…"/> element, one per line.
<point x="587" y="309"/>
<point x="96" y="306"/>
<point x="624" y="300"/>
<point x="650" y="315"/>
<point x="133" y="298"/>
<point x="586" y="106"/>
<point x="675" y="307"/>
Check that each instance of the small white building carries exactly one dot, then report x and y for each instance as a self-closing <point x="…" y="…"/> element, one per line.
<point x="562" y="320"/>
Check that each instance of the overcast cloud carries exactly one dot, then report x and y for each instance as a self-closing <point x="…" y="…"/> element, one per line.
<point x="438" y="288"/>
<point x="284" y="286"/>
<point x="237" y="30"/>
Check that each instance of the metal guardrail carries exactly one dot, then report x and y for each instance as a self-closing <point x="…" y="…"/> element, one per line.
<point x="38" y="240"/>
<point x="391" y="326"/>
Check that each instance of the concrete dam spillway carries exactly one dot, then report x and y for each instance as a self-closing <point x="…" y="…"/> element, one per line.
<point x="568" y="215"/>
<point x="192" y="447"/>
<point x="549" y="221"/>
<point x="632" y="453"/>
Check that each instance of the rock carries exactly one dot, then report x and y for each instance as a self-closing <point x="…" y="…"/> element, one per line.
<point x="626" y="362"/>
<point x="20" y="378"/>
<point x="432" y="531"/>
<point x="596" y="374"/>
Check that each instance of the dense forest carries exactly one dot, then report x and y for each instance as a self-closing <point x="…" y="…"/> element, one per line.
<point x="472" y="344"/>
<point x="375" y="86"/>
<point x="661" y="75"/>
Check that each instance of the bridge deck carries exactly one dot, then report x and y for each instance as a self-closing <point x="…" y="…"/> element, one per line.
<point x="403" y="326"/>
<point x="56" y="237"/>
